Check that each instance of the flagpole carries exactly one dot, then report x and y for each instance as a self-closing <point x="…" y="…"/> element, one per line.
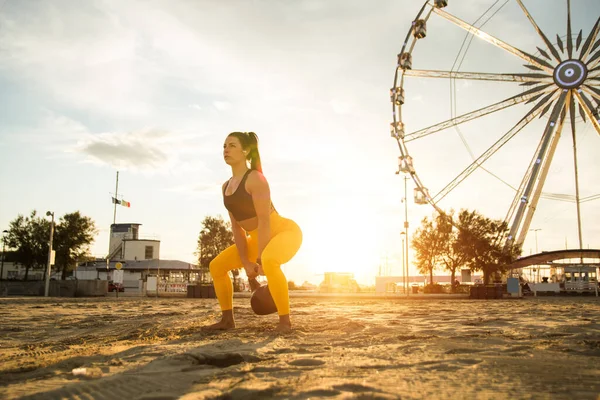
<point x="110" y="234"/>
<point x="115" y="203"/>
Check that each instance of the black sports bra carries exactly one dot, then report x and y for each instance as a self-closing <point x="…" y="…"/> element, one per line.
<point x="240" y="203"/>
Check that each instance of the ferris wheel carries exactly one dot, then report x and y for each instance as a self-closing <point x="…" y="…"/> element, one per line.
<point x="554" y="86"/>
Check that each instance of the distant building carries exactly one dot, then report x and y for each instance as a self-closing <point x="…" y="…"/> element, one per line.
<point x="339" y="282"/>
<point x="125" y="244"/>
<point x="11" y="270"/>
<point x="138" y="258"/>
<point x="390" y="283"/>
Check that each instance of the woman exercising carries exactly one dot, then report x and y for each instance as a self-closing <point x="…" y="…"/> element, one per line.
<point x="263" y="239"/>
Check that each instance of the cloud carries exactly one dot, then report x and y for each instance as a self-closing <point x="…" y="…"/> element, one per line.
<point x="148" y="150"/>
<point x="95" y="69"/>
<point x="136" y="150"/>
<point x="222" y="105"/>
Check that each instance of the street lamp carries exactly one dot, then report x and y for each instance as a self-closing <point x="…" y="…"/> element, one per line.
<point x="405" y="280"/>
<point x="536" y="242"/>
<point x="4" y="232"/>
<point x="48" y="270"/>
<point x="406" y="226"/>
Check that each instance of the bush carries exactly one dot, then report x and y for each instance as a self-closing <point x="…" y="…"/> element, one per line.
<point x="433" y="288"/>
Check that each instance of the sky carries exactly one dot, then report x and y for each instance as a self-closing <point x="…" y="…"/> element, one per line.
<point x="152" y="88"/>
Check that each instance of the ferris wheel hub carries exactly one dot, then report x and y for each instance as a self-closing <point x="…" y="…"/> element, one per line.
<point x="570" y="74"/>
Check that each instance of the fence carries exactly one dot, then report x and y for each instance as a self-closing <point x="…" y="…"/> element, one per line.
<point x="70" y="288"/>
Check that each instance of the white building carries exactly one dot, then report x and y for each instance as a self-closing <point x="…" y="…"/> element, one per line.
<point x="136" y="272"/>
<point x="125" y="244"/>
<point x="138" y="259"/>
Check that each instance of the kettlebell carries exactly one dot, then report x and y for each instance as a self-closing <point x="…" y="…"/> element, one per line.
<point x="262" y="302"/>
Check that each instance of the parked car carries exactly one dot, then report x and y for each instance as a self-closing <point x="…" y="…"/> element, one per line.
<point x="112" y="287"/>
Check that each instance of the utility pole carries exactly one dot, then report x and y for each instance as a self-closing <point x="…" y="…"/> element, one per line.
<point x="405" y="278"/>
<point x="49" y="267"/>
<point x="115" y="201"/>
<point x="406" y="226"/>
<point x="110" y="232"/>
<point x="4" y="232"/>
<point x="536" y="241"/>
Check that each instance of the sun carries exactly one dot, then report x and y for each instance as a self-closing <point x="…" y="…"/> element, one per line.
<point x="334" y="243"/>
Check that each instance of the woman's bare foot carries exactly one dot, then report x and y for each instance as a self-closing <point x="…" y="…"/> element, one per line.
<point x="220" y="326"/>
<point x="285" y="325"/>
<point x="226" y="322"/>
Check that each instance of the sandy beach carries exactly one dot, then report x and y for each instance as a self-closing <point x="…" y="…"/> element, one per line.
<point x="341" y="348"/>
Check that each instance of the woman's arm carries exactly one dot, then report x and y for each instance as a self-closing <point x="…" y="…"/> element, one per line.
<point x="239" y="237"/>
<point x="261" y="197"/>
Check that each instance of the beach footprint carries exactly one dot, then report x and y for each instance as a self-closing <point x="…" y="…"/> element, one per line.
<point x="306" y="362"/>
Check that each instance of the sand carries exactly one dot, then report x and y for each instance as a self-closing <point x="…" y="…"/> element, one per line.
<point x="148" y="348"/>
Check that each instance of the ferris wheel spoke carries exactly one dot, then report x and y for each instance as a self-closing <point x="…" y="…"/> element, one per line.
<point x="525" y="97"/>
<point x="544" y="101"/>
<point x="539" y="169"/>
<point x="588" y="108"/>
<point x="594" y="56"/>
<point x="539" y="31"/>
<point x="585" y="50"/>
<point x="569" y="38"/>
<point x="593" y="91"/>
<point x="590" y="198"/>
<point x="482" y="76"/>
<point x="558" y="197"/>
<point x="532" y="114"/>
<point x="572" y="118"/>
<point x="535" y="61"/>
<point x="579" y="38"/>
<point x="593" y="61"/>
<point x="595" y="46"/>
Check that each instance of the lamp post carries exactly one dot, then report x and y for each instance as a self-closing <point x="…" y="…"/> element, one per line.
<point x="406" y="228"/>
<point x="405" y="280"/>
<point x="49" y="268"/>
<point x="4" y="232"/>
<point x="536" y="242"/>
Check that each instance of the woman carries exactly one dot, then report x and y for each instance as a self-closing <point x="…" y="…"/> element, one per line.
<point x="263" y="239"/>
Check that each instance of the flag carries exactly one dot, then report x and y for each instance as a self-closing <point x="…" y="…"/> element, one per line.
<point x="121" y="202"/>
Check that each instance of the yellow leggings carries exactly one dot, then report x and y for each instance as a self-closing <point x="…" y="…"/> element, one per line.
<point x="286" y="238"/>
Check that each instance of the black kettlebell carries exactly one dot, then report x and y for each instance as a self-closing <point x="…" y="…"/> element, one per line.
<point x="262" y="302"/>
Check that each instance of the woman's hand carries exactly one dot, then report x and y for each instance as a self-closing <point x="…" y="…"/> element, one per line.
<point x="253" y="284"/>
<point x="252" y="269"/>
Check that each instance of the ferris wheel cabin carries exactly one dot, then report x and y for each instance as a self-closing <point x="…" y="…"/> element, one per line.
<point x="405" y="60"/>
<point x="419" y="28"/>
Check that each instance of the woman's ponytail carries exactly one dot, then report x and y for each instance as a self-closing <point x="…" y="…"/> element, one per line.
<point x="253" y="154"/>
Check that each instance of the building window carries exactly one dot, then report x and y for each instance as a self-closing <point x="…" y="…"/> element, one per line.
<point x="149" y="252"/>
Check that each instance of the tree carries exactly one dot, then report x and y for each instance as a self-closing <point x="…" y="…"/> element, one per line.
<point x="429" y="242"/>
<point x="480" y="239"/>
<point x="452" y="257"/>
<point x="215" y="236"/>
<point x="30" y="237"/>
<point x="73" y="236"/>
